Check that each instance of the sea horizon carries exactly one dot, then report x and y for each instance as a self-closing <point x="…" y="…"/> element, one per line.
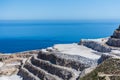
<point x="18" y="36"/>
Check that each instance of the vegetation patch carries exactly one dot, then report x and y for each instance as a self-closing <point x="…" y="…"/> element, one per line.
<point x="109" y="68"/>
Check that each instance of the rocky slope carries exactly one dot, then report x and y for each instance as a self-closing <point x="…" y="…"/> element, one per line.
<point x="100" y="47"/>
<point x="10" y="63"/>
<point x="108" y="70"/>
<point x="53" y="66"/>
<point x="114" y="40"/>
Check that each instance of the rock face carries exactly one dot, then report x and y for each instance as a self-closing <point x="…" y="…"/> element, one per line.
<point x="116" y="33"/>
<point x="114" y="40"/>
<point x="10" y="63"/>
<point x="76" y="62"/>
<point x="95" y="46"/>
<point x="26" y="54"/>
<point x="53" y="66"/>
<point x="103" y="58"/>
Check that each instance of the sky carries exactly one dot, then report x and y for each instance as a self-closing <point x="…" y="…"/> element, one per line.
<point x="59" y="9"/>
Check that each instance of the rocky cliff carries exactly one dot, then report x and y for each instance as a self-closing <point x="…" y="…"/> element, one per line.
<point x="95" y="45"/>
<point x="114" y="40"/>
<point x="53" y="66"/>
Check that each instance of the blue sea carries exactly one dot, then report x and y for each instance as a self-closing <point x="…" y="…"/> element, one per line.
<point x="17" y="36"/>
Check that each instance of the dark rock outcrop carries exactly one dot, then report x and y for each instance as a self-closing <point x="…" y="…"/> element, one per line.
<point x="64" y="61"/>
<point x="114" y="40"/>
<point x="26" y="75"/>
<point x="95" y="46"/>
<point x="51" y="68"/>
<point x="103" y="58"/>
<point x="37" y="72"/>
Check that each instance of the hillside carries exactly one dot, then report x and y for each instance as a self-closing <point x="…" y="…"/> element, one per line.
<point x="108" y="70"/>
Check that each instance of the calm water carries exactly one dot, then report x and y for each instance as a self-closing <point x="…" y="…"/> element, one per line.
<point x="16" y="37"/>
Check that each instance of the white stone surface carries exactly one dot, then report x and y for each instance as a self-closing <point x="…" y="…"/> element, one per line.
<point x="1" y="64"/>
<point x="13" y="77"/>
<point x="75" y="49"/>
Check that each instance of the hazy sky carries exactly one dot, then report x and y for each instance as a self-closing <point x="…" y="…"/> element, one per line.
<point x="59" y="9"/>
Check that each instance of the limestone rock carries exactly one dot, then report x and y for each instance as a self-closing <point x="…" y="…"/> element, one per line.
<point x="95" y="46"/>
<point x="114" y="40"/>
